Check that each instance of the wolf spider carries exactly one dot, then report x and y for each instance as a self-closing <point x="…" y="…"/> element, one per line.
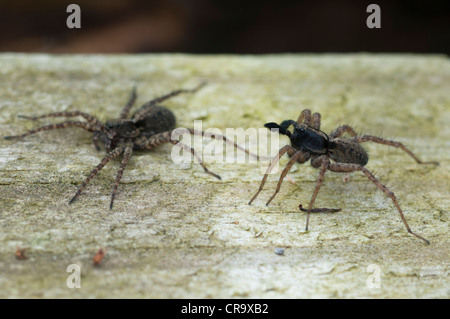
<point x="308" y="142"/>
<point x="151" y="125"/>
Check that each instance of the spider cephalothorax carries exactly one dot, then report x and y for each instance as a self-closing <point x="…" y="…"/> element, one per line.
<point x="328" y="152"/>
<point x="157" y="119"/>
<point x="150" y="126"/>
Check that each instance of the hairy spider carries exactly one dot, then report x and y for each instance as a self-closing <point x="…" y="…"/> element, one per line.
<point x="333" y="153"/>
<point x="151" y="125"/>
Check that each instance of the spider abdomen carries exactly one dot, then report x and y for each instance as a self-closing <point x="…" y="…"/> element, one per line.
<point x="157" y="119"/>
<point x="347" y="151"/>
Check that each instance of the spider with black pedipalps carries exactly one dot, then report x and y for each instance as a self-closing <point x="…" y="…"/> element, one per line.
<point x="328" y="152"/>
<point x="151" y="125"/>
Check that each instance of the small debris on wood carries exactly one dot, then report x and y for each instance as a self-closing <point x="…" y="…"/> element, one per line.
<point x="99" y="256"/>
<point x="20" y="253"/>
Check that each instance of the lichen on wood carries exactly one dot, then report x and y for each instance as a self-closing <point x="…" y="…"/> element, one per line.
<point x="176" y="232"/>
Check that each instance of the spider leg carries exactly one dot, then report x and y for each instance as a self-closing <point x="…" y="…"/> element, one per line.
<point x="127" y="107"/>
<point x="91" y="119"/>
<point x="199" y="159"/>
<point x="300" y="157"/>
<point x="128" y="150"/>
<point x="149" y="142"/>
<point x="166" y="137"/>
<point x="345" y="167"/>
<point x="274" y="161"/>
<point x="305" y="117"/>
<point x="379" y="140"/>
<point x="341" y="130"/>
<point x="316" y="121"/>
<point x="95" y="140"/>
<point x="223" y="138"/>
<point x="86" y="126"/>
<point x="323" y="162"/>
<point x="139" y="115"/>
<point x="111" y="155"/>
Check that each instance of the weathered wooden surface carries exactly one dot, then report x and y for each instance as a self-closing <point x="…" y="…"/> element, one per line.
<point x="176" y="232"/>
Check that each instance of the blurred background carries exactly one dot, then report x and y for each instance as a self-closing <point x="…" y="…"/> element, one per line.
<point x="213" y="26"/>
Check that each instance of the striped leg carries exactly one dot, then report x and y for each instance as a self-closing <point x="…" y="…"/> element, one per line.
<point x="111" y="155"/>
<point x="300" y="157"/>
<point x="223" y="138"/>
<point x="95" y="140"/>
<point x="341" y="130"/>
<point x="344" y="167"/>
<point x="91" y="119"/>
<point x="379" y="140"/>
<point x="128" y="150"/>
<point x="305" y="117"/>
<point x="127" y="107"/>
<point x="365" y="138"/>
<point x="166" y="137"/>
<point x="315" y="121"/>
<point x="139" y="115"/>
<point x="275" y="160"/>
<point x="86" y="126"/>
<point x="199" y="159"/>
<point x="324" y="162"/>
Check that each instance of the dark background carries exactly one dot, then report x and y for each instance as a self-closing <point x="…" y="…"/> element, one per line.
<point x="213" y="26"/>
